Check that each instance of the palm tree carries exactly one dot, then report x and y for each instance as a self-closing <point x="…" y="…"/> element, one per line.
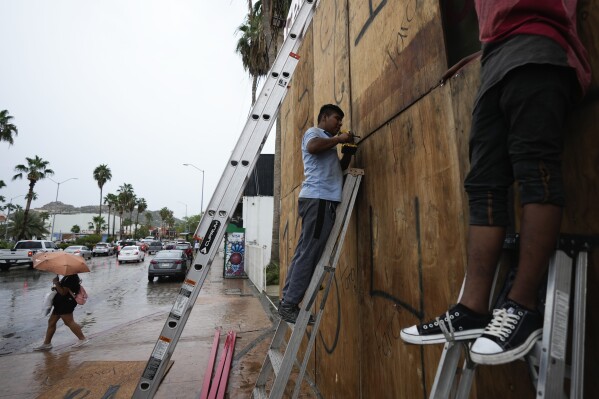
<point x="2" y="184"/>
<point x="141" y="207"/>
<point x="27" y="227"/>
<point x="164" y="212"/>
<point x="102" y="174"/>
<point x="273" y="13"/>
<point x="149" y="219"/>
<point x="35" y="170"/>
<point x="125" y="196"/>
<point x="7" y="129"/>
<point x="252" y="45"/>
<point x="98" y="223"/>
<point x="110" y="200"/>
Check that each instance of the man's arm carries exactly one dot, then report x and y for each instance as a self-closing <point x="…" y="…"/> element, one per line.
<point x="320" y="144"/>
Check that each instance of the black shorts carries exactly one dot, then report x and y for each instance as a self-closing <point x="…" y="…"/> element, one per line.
<point x="517" y="135"/>
<point x="63" y="305"/>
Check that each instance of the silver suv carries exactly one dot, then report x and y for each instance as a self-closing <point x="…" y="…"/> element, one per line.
<point x="103" y="248"/>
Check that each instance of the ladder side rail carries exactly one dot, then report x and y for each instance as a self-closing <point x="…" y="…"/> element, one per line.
<point x="347" y="216"/>
<point x="257" y="131"/>
<point x="445" y="376"/>
<point x="279" y="74"/>
<point x="555" y="327"/>
<point x="301" y="323"/>
<point x="214" y="225"/>
<point x="313" y="335"/>
<point x="276" y="342"/>
<point x="579" y="326"/>
<point x="466" y="379"/>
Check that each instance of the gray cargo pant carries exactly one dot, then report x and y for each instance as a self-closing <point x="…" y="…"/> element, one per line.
<point x="318" y="218"/>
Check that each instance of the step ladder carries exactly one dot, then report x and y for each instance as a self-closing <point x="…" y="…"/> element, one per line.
<point x="281" y="363"/>
<point x="547" y="359"/>
<point x="226" y="196"/>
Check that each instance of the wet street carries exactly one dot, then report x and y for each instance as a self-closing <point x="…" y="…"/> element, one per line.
<point x="118" y="294"/>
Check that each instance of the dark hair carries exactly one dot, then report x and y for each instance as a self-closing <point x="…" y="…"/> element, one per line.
<point x="328" y="109"/>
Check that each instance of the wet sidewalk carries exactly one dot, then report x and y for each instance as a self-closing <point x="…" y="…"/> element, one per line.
<point x="112" y="359"/>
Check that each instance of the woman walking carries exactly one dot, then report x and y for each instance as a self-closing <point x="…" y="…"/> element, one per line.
<point x="64" y="304"/>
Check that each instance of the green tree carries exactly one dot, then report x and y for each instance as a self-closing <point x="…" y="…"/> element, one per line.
<point x="252" y="46"/>
<point x="28" y="227"/>
<point x="102" y="174"/>
<point x="35" y="170"/>
<point x="125" y="196"/>
<point x="75" y="229"/>
<point x="7" y="129"/>
<point x="98" y="224"/>
<point x="2" y="184"/>
<point x="149" y="219"/>
<point x="164" y="213"/>
<point x="111" y="201"/>
<point x="141" y="207"/>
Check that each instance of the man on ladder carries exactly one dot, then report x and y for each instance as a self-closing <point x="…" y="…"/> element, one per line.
<point x="318" y="199"/>
<point x="533" y="68"/>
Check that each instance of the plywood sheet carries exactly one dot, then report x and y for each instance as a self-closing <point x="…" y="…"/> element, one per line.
<point x="411" y="206"/>
<point x="331" y="84"/>
<point x="397" y="56"/>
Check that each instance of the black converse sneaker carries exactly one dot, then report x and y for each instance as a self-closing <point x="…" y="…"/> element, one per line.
<point x="458" y="323"/>
<point x="509" y="336"/>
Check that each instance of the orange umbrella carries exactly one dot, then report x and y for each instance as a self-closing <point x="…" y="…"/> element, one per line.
<point x="59" y="263"/>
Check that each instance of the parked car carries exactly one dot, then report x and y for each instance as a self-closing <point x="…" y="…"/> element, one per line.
<point x="79" y="250"/>
<point x="103" y="248"/>
<point x="22" y="252"/>
<point x="131" y="253"/>
<point x="168" y="263"/>
<point x="187" y="248"/>
<point x="154" y="246"/>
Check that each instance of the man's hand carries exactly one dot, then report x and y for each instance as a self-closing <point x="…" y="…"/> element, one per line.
<point x="345" y="137"/>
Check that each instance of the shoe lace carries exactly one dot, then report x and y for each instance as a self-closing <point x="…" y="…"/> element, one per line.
<point x="503" y="324"/>
<point x="447" y="330"/>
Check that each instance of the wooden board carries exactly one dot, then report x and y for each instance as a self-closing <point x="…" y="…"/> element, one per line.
<point x="411" y="216"/>
<point x="411" y="205"/>
<point x="397" y="56"/>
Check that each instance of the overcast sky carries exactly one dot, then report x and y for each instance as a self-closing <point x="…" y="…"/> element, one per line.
<point x="142" y="86"/>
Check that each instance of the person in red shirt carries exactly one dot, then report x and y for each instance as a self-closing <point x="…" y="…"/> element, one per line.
<point x="533" y="69"/>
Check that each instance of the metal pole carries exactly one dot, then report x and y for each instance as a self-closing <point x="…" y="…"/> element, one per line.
<point x="201" y="170"/>
<point x="56" y="200"/>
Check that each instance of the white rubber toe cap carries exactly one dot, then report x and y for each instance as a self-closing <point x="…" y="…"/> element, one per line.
<point x="485" y="346"/>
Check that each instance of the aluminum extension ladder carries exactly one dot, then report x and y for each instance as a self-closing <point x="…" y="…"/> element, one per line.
<point x="547" y="359"/>
<point x="226" y="196"/>
<point x="282" y="363"/>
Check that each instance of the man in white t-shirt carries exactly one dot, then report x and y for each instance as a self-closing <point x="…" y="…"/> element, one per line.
<point x="318" y="199"/>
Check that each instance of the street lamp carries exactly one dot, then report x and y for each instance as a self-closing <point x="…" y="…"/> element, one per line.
<point x="8" y="216"/>
<point x="56" y="200"/>
<point x="202" y="203"/>
<point x="186" y="220"/>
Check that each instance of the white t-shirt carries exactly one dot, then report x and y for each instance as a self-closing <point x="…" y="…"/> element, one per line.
<point x="323" y="177"/>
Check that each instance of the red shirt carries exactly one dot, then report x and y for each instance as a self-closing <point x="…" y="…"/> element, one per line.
<point x="556" y="19"/>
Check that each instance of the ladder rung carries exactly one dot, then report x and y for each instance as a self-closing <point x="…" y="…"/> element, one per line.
<point x="259" y="393"/>
<point x="276" y="359"/>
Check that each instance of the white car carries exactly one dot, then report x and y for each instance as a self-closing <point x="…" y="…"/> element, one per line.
<point x="131" y="253"/>
<point x="79" y="250"/>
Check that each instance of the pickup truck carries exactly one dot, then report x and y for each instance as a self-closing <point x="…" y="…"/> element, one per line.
<point x="23" y="251"/>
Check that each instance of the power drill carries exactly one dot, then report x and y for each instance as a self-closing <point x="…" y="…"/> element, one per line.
<point x="349" y="148"/>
